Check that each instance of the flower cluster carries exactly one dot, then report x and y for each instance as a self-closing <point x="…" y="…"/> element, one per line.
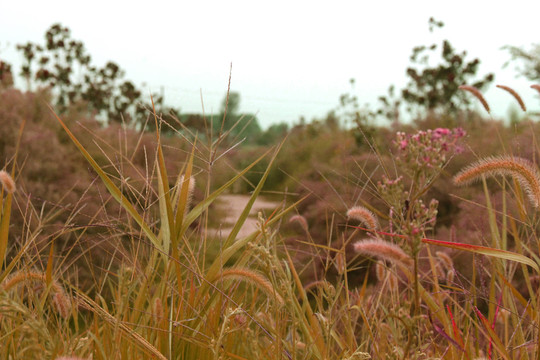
<point x="427" y="151"/>
<point x="392" y="190"/>
<point x="422" y="217"/>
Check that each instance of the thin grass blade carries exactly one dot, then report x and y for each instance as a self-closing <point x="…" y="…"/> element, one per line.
<point x="484" y="250"/>
<point x="113" y="189"/>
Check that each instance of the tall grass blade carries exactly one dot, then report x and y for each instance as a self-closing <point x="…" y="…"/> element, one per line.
<point x="484" y="250"/>
<point x="165" y="204"/>
<point x="203" y="205"/>
<point x="113" y="189"/>
<point x="245" y="213"/>
<point x="4" y="228"/>
<point x="135" y="337"/>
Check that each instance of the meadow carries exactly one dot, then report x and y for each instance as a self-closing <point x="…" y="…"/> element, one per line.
<point x="410" y="241"/>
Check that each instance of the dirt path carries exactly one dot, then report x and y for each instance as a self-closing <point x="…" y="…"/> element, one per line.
<point x="232" y="206"/>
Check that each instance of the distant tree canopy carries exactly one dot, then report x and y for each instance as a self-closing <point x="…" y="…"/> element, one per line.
<point x="238" y="125"/>
<point x="6" y="75"/>
<point x="432" y="87"/>
<point x="64" y="65"/>
<point x="436" y="87"/>
<point x="530" y="61"/>
<point x="228" y="121"/>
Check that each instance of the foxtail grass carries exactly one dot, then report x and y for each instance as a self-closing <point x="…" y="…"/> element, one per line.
<point x="365" y="216"/>
<point x="383" y="250"/>
<point x="59" y="298"/>
<point x="521" y="169"/>
<point x="477" y="94"/>
<point x="252" y="277"/>
<point x="301" y="221"/>
<point x="445" y="259"/>
<point x="515" y="95"/>
<point x="7" y="182"/>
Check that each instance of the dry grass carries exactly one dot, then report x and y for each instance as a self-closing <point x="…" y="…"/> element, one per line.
<point x="477" y="94"/>
<point x="521" y="169"/>
<point x="515" y="95"/>
<point x="168" y="291"/>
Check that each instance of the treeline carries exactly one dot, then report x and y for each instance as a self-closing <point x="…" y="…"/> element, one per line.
<point x="63" y="65"/>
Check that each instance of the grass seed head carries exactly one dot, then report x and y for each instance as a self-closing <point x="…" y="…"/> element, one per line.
<point x="363" y="215"/>
<point x="300" y="220"/>
<point x="60" y="299"/>
<point x="7" y="182"/>
<point x="191" y="188"/>
<point x="392" y="281"/>
<point x="383" y="250"/>
<point x="521" y="169"/>
<point x="380" y="270"/>
<point x="158" y="308"/>
<point x="515" y="95"/>
<point x="340" y="262"/>
<point x="476" y="94"/>
<point x="450" y="275"/>
<point x="62" y="304"/>
<point x="445" y="260"/>
<point x="254" y="278"/>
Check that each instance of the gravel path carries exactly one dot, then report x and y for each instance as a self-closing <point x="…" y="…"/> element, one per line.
<point x="232" y="206"/>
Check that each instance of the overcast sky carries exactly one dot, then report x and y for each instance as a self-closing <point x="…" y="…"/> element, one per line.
<point x="289" y="58"/>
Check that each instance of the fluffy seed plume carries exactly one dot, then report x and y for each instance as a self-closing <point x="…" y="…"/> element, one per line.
<point x="450" y="275"/>
<point x="191" y="187"/>
<point x="536" y="87"/>
<point x="380" y="270"/>
<point x="363" y="215"/>
<point x="158" y="308"/>
<point x="340" y="263"/>
<point x="476" y="94"/>
<point x="300" y="220"/>
<point x="62" y="304"/>
<point x="60" y="299"/>
<point x="254" y="278"/>
<point x="521" y="169"/>
<point x="382" y="250"/>
<point x="515" y="95"/>
<point x="445" y="259"/>
<point x="7" y="182"/>
<point x="392" y="281"/>
<point x="385" y="274"/>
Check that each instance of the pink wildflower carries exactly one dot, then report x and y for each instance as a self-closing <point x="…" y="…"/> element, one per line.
<point x="442" y="131"/>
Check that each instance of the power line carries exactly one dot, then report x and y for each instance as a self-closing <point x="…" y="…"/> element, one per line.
<point x="176" y="89"/>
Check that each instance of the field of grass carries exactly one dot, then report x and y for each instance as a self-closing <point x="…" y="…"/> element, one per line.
<point x="419" y="242"/>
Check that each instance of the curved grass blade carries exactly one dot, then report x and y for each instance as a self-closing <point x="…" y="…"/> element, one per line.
<point x="484" y="250"/>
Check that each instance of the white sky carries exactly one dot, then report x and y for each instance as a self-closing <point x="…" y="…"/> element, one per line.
<point x="290" y="58"/>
